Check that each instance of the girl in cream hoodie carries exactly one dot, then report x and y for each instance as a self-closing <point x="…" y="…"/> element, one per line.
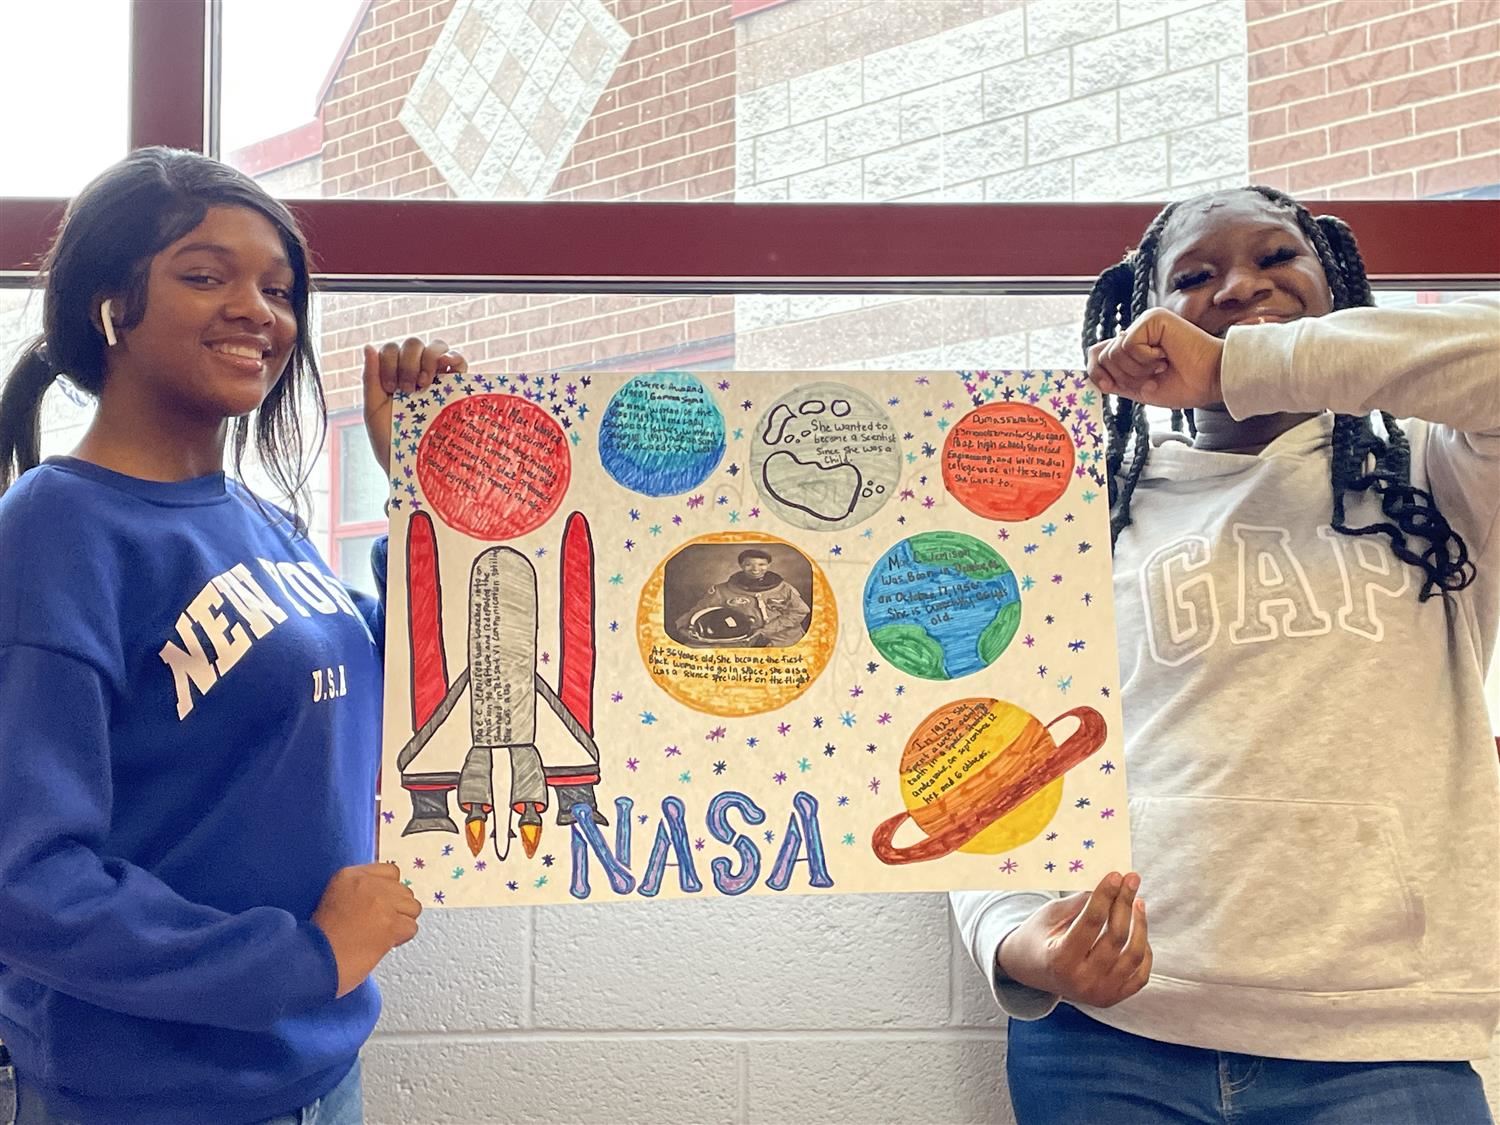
<point x="1306" y="592"/>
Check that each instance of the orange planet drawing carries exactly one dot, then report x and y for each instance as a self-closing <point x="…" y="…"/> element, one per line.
<point x="1007" y="461"/>
<point x="983" y="775"/>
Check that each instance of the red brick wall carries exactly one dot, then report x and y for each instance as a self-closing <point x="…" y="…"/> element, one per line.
<point x="511" y="333"/>
<point x="366" y="151"/>
<point x="663" y="129"/>
<point x="1385" y="99"/>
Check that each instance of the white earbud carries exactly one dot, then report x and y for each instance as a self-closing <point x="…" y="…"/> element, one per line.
<point x="109" y="324"/>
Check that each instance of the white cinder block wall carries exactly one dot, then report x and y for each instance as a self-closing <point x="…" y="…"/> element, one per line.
<point x="850" y="1009"/>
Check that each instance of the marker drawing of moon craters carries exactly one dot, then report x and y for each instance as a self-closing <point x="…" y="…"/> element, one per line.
<point x="825" y="457"/>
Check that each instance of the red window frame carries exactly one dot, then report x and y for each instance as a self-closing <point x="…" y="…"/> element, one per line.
<point x="348" y="425"/>
<point x="982" y="247"/>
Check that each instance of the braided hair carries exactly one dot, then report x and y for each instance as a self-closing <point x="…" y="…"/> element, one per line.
<point x="1363" y="460"/>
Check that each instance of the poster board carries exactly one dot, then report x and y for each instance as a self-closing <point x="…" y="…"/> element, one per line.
<point x="700" y="634"/>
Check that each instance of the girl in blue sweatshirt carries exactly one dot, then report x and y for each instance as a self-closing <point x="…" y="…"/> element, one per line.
<point x="189" y="700"/>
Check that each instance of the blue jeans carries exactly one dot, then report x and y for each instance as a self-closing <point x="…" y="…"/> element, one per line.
<point x="343" y="1105"/>
<point x="1069" y="1069"/>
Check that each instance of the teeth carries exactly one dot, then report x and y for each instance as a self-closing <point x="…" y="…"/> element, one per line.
<point x="243" y="350"/>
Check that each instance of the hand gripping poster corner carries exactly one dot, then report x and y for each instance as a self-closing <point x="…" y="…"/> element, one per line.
<point x="700" y="634"/>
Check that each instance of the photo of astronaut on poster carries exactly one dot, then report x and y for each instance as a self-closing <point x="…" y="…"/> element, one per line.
<point x="731" y="594"/>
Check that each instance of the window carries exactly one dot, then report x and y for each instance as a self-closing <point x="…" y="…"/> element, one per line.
<point x="909" y="100"/>
<point x="810" y="101"/>
<point x="355" y="501"/>
<point x="49" y="101"/>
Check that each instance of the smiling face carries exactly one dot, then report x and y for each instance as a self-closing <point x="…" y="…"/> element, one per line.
<point x="753" y="566"/>
<point x="219" y="326"/>
<point x="1236" y="258"/>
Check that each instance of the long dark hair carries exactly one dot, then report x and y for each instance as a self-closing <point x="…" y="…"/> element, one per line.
<point x="110" y="233"/>
<point x="1362" y="459"/>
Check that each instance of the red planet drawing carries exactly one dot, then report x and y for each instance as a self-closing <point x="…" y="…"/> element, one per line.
<point x="494" y="466"/>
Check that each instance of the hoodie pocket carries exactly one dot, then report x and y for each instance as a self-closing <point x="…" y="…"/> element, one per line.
<point x="1302" y="895"/>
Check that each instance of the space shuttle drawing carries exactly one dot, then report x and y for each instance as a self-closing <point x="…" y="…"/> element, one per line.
<point x="503" y="686"/>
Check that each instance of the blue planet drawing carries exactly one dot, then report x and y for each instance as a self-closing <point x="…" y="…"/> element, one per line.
<point x="661" y="434"/>
<point x="941" y="605"/>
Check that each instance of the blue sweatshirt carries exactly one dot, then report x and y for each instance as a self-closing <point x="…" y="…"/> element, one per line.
<point x="189" y="742"/>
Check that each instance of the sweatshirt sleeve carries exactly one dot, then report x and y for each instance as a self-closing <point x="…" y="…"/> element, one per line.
<point x="1439" y="363"/>
<point x="373" y="609"/>
<point x="102" y="930"/>
<point x="985" y="919"/>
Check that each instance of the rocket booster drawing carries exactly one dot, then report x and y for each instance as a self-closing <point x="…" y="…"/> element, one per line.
<point x="503" y="686"/>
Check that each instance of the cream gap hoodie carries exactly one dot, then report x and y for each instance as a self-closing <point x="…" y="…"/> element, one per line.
<point x="1315" y="807"/>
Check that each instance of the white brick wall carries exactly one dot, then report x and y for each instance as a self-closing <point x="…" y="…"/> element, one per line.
<point x="1113" y="60"/>
<point x="1074" y="77"/>
<point x="1029" y="83"/>
<point x="826" y="91"/>
<point x="1126" y="169"/>
<point x="858" y="132"/>
<point x="1075" y="126"/>
<point x="905" y="171"/>
<point x="1201" y="34"/>
<point x="799" y="148"/>
<point x="1056" y="23"/>
<point x="1050" y="100"/>
<point x="1155" y="106"/>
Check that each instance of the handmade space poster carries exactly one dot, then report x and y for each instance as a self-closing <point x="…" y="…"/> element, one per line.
<point x="704" y="634"/>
